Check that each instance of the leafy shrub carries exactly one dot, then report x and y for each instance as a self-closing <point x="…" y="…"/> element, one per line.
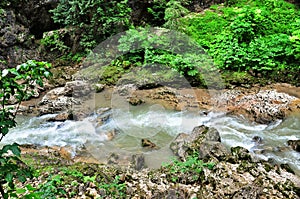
<point x="174" y="11"/>
<point x="155" y="46"/>
<point x="157" y="12"/>
<point x="54" y="42"/>
<point x="30" y="72"/>
<point x="257" y="36"/>
<point x="93" y="20"/>
<point x="203" y="27"/>
<point x="192" y="167"/>
<point x="257" y="39"/>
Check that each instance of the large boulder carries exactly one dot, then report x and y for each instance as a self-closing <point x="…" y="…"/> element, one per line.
<point x="64" y="98"/>
<point x="204" y="140"/>
<point x="263" y="107"/>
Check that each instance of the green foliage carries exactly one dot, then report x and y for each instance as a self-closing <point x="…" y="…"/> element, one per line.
<point x="191" y="167"/>
<point x="52" y="188"/>
<point x="32" y="72"/>
<point x="54" y="42"/>
<point x="65" y="178"/>
<point x="174" y="11"/>
<point x="257" y="36"/>
<point x="257" y="39"/>
<point x="204" y="28"/>
<point x="167" y="12"/>
<point x="154" y="47"/>
<point x="28" y="192"/>
<point x="116" y="189"/>
<point x="94" y="20"/>
<point x="157" y="12"/>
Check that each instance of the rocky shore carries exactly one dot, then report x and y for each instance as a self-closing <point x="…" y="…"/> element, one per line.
<point x="233" y="173"/>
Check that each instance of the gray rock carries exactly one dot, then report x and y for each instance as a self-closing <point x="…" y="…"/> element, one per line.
<point x="294" y="144"/>
<point x="203" y="139"/>
<point x="211" y="149"/>
<point x="138" y="161"/>
<point x="99" y="88"/>
<point x="64" y="98"/>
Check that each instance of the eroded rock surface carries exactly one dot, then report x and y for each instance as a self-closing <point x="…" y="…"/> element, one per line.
<point x="64" y="98"/>
<point x="265" y="106"/>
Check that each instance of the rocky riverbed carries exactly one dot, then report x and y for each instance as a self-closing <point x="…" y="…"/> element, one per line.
<point x="236" y="172"/>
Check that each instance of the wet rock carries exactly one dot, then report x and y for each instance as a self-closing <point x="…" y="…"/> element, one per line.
<point x="138" y="161"/>
<point x="257" y="139"/>
<point x="113" y="158"/>
<point x="263" y="107"/>
<point x="294" y="144"/>
<point x="111" y="134"/>
<point x="203" y="139"/>
<point x="148" y="144"/>
<point x="61" y="117"/>
<point x="134" y="101"/>
<point x="99" y="88"/>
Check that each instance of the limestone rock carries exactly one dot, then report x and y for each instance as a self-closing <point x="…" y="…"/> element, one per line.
<point x="263" y="107"/>
<point x="61" y="117"/>
<point x="148" y="144"/>
<point x="134" y="101"/>
<point x="203" y="139"/>
<point x="64" y="98"/>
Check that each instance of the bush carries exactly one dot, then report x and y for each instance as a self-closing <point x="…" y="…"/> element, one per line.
<point x="258" y="39"/>
<point x="170" y="49"/>
<point x="93" y="20"/>
<point x="258" y="36"/>
<point x="30" y="72"/>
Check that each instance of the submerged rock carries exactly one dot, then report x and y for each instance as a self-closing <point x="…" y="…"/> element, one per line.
<point x="148" y="144"/>
<point x="134" y="101"/>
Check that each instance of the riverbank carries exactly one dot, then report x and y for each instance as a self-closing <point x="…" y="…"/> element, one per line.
<point x="229" y="174"/>
<point x="236" y="173"/>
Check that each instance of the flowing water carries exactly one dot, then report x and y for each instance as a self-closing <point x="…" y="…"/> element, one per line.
<point x="160" y="126"/>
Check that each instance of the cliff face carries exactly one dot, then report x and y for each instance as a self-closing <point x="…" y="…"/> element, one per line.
<point x="22" y="23"/>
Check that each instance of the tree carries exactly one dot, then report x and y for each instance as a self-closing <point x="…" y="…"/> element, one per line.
<point x="16" y="82"/>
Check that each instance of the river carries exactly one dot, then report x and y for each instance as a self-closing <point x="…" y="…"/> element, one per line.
<point x="159" y="125"/>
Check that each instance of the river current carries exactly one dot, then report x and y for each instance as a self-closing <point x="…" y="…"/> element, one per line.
<point x="121" y="132"/>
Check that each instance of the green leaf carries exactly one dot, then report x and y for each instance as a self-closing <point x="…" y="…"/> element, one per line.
<point x="15" y="149"/>
<point x="20" y="191"/>
<point x="9" y="177"/>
